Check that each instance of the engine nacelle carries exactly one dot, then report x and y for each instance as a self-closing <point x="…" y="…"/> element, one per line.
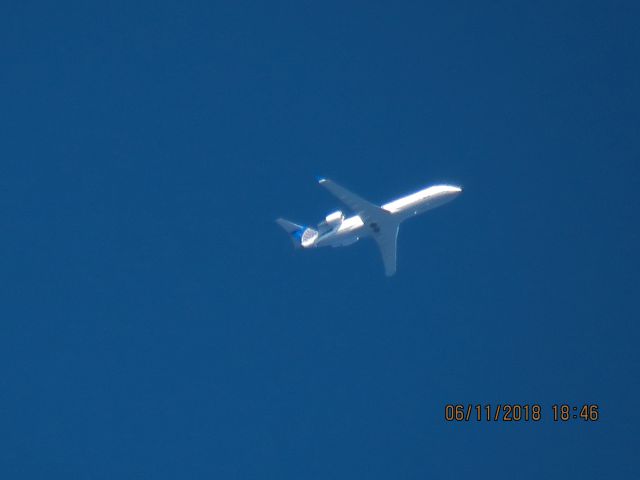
<point x="307" y="237"/>
<point x="334" y="218"/>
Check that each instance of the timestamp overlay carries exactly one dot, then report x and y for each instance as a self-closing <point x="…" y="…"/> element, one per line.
<point x="521" y="412"/>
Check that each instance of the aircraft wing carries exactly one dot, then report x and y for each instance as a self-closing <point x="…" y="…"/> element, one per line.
<point x="360" y="206"/>
<point x="387" y="239"/>
<point x="383" y="229"/>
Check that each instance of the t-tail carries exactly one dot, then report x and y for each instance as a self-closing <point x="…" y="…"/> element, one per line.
<point x="301" y="236"/>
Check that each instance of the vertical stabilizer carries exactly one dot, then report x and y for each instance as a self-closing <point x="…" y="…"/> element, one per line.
<point x="288" y="226"/>
<point x="301" y="236"/>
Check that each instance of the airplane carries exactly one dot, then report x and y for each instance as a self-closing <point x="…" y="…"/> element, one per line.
<point x="369" y="220"/>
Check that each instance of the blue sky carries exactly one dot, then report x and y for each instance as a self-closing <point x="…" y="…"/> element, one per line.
<point x="156" y="323"/>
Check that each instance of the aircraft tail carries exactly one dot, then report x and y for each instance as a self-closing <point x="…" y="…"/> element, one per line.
<point x="300" y="236"/>
<point x="288" y="226"/>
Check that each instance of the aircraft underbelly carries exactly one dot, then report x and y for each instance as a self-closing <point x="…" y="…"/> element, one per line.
<point x="338" y="239"/>
<point x="423" y="206"/>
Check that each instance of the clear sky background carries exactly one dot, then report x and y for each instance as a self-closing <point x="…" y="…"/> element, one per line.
<point x="156" y="323"/>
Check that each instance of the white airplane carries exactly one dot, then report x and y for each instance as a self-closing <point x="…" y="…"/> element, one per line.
<point x="369" y="220"/>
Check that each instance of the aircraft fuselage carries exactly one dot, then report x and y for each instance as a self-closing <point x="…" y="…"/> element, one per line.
<point x="351" y="229"/>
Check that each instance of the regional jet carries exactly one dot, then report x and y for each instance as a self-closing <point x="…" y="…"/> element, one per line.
<point x="369" y="220"/>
